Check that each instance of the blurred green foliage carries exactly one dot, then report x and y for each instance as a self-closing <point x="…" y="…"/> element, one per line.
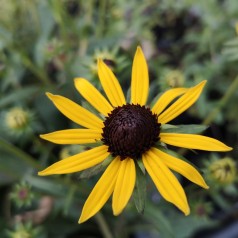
<point x="45" y="44"/>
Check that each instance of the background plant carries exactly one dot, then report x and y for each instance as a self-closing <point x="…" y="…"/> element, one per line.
<point x="45" y="44"/>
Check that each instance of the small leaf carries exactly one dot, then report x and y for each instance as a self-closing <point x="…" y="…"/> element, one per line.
<point x="187" y="129"/>
<point x="233" y="42"/>
<point x="161" y="222"/>
<point x="19" y="95"/>
<point x="88" y="173"/>
<point x="139" y="194"/>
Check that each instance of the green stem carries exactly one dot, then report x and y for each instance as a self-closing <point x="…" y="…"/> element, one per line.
<point x="231" y="90"/>
<point x="103" y="225"/>
<point x="212" y="115"/>
<point x="4" y="145"/>
<point x="101" y="18"/>
<point x="39" y="73"/>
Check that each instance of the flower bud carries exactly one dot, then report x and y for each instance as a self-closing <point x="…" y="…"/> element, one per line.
<point x="223" y="170"/>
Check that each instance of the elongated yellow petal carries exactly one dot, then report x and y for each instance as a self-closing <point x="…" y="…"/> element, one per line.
<point x="124" y="185"/>
<point x="190" y="141"/>
<point x="93" y="96"/>
<point x="110" y="85"/>
<point x="78" y="162"/>
<point x="101" y="192"/>
<point x="139" y="79"/>
<point x="167" y="98"/>
<point x="165" y="181"/>
<point x="74" y="136"/>
<point x="75" y="112"/>
<point x="182" y="104"/>
<point x="182" y="167"/>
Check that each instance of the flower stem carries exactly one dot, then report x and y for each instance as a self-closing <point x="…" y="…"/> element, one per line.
<point x="35" y="70"/>
<point x="103" y="225"/>
<point x="102" y="17"/>
<point x="231" y="90"/>
<point x="6" y="146"/>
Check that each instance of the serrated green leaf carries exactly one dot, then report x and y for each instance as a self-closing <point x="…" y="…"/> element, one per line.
<point x="188" y="129"/>
<point x="139" y="194"/>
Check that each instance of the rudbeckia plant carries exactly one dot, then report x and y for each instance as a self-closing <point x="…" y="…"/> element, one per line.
<point x="130" y="133"/>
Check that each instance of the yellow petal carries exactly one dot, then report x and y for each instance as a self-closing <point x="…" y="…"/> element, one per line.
<point x="75" y="112"/>
<point x="139" y="79"/>
<point x="93" y="96"/>
<point x="190" y="141"/>
<point x="78" y="162"/>
<point x="181" y="167"/>
<point x="166" y="98"/>
<point x="74" y="136"/>
<point x="110" y="85"/>
<point x="101" y="192"/>
<point x="124" y="185"/>
<point x="182" y="104"/>
<point x="165" y="181"/>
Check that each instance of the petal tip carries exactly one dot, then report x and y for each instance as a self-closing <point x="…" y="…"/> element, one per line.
<point x="186" y="213"/>
<point x="116" y="212"/>
<point x="82" y="219"/>
<point x="206" y="187"/>
<point x="76" y="79"/>
<point x="41" y="173"/>
<point x="138" y="48"/>
<point x="42" y="136"/>
<point x="99" y="61"/>
<point x="49" y="95"/>
<point x="225" y="148"/>
<point x="201" y="84"/>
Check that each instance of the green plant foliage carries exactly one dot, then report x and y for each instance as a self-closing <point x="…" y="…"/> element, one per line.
<point x="45" y="44"/>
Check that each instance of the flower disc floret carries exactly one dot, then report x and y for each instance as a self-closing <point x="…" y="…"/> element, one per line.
<point x="130" y="130"/>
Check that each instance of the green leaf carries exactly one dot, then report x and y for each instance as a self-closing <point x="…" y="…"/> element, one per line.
<point x="139" y="194"/>
<point x="159" y="220"/>
<point x="19" y="95"/>
<point x="88" y="173"/>
<point x="233" y="42"/>
<point x="20" y="154"/>
<point x="48" y="185"/>
<point x="187" y="129"/>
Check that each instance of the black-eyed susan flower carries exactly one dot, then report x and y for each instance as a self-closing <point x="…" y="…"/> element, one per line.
<point x="128" y="131"/>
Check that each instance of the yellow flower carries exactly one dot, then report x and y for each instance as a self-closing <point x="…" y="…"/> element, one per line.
<point x="129" y="132"/>
<point x="223" y="171"/>
<point x="17" y="118"/>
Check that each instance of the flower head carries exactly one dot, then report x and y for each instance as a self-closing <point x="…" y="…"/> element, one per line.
<point x="223" y="171"/>
<point x="22" y="194"/>
<point x="129" y="131"/>
<point x="18" y="122"/>
<point x="17" y="119"/>
<point x="24" y="230"/>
